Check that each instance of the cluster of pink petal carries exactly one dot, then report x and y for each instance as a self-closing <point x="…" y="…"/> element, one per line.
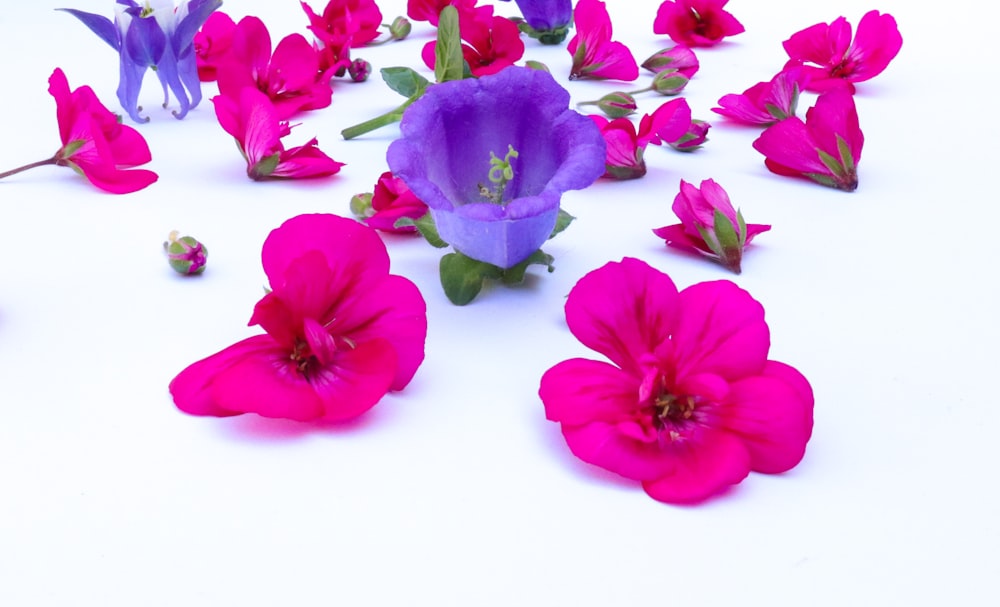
<point x="595" y="55"/>
<point x="340" y="331"/>
<point x="696" y="22"/>
<point x="689" y="404"/>
<point x="344" y="24"/>
<point x="392" y="200"/>
<point x="489" y="42"/>
<point x="766" y="103"/>
<point x="832" y="59"/>
<point x="95" y="143"/>
<point x="626" y="145"/>
<point x="429" y="10"/>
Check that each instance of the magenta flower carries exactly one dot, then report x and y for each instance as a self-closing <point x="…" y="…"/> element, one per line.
<point x="391" y="201"/>
<point x="428" y="10"/>
<point x="626" y="146"/>
<point x="825" y="148"/>
<point x="689" y="403"/>
<point x="709" y="225"/>
<point x="766" y="102"/>
<point x="594" y="53"/>
<point x="832" y="59"/>
<point x="94" y="143"/>
<point x="696" y="22"/>
<point x="290" y="77"/>
<point x="340" y="331"/>
<point x="693" y="138"/>
<point x="489" y="43"/>
<point x="253" y="121"/>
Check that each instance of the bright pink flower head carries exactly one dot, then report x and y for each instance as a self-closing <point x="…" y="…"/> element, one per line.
<point x="391" y="201"/>
<point x="253" y="121"/>
<point x="696" y="22"/>
<point x="832" y="59"/>
<point x="825" y="148"/>
<point x="212" y="44"/>
<point x="429" y="10"/>
<point x="765" y="102"/>
<point x="489" y="43"/>
<point x="340" y="331"/>
<point x="594" y="54"/>
<point x="356" y="21"/>
<point x="709" y="225"/>
<point x="95" y="143"/>
<point x="626" y="145"/>
<point x="689" y="403"/>
<point x="667" y="123"/>
<point x="290" y="77"/>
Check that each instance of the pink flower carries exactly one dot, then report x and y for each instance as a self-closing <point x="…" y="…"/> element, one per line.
<point x="696" y="22"/>
<point x="253" y="120"/>
<point x="709" y="225"/>
<point x="594" y="54"/>
<point x="693" y="138"/>
<point x="626" y="146"/>
<point x="358" y="21"/>
<point x="290" y="77"/>
<point x="689" y="404"/>
<point x="490" y="43"/>
<point x="391" y="201"/>
<point x="212" y="44"/>
<point x="95" y="143"/>
<point x="429" y="10"/>
<point x="832" y="59"/>
<point x="766" y="102"/>
<point x="825" y="148"/>
<point x="340" y="331"/>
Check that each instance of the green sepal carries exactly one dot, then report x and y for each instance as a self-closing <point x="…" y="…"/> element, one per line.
<point x="725" y="233"/>
<point x="847" y="161"/>
<point x="462" y="277"/>
<point x="537" y="65"/>
<point x="361" y="205"/>
<point x="563" y="219"/>
<point x="775" y="111"/>
<point x="553" y="36"/>
<point x="831" y="163"/>
<point x="822" y="179"/>
<point x="743" y="227"/>
<point x="425" y="225"/>
<point x="404" y="80"/>
<point x="515" y="274"/>
<point x="71" y="148"/>
<point x="448" y="60"/>
<point x="264" y="167"/>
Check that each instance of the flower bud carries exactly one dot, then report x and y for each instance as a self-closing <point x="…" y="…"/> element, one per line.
<point x="669" y="82"/>
<point x="697" y="134"/>
<point x="617" y="104"/>
<point x="185" y="254"/>
<point x="399" y="28"/>
<point x="679" y="58"/>
<point x="359" y="70"/>
<point x="361" y="205"/>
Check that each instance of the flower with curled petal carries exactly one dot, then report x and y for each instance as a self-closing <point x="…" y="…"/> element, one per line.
<point x="696" y="22"/>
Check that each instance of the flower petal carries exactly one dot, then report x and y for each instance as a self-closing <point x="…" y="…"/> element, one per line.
<point x="703" y="468"/>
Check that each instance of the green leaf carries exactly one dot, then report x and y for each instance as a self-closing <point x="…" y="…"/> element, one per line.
<point x="462" y="277"/>
<point x="515" y="275"/>
<point x="425" y="225"/>
<point x="404" y="80"/>
<point x="448" y="60"/>
<point x="562" y="222"/>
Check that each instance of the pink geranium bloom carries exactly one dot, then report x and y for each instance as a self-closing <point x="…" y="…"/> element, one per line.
<point x="595" y="55"/>
<point x="212" y="44"/>
<point x="766" y="102"/>
<point x="696" y="22"/>
<point x="832" y="59"/>
<point x="290" y="77"/>
<point x="430" y="10"/>
<point x="253" y="121"/>
<point x="825" y="148"/>
<point x="689" y="403"/>
<point x="344" y="24"/>
<point x="709" y="225"/>
<point x="626" y="146"/>
<point x="340" y="331"/>
<point x="94" y="142"/>
<point x="489" y="43"/>
<point x="391" y="201"/>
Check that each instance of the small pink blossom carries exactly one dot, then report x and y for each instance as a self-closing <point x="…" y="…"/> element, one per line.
<point x="595" y="55"/>
<point x="489" y="43"/>
<point x="391" y="201"/>
<point x="696" y="22"/>
<point x="766" y="102"/>
<point x="626" y="146"/>
<point x="825" y="148"/>
<point x="253" y="121"/>
<point x="709" y="225"/>
<point x="340" y="331"/>
<point x="832" y="59"/>
<point x="689" y="404"/>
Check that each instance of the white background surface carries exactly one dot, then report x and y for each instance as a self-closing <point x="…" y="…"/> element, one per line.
<point x="456" y="491"/>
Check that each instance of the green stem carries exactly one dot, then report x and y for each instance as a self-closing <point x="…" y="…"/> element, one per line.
<point x="376" y="123"/>
<point x="40" y="163"/>
<point x="648" y="88"/>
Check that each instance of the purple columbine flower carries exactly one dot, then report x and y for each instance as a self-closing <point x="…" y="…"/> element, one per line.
<point x="158" y="35"/>
<point x="449" y="137"/>
<point x="547" y="20"/>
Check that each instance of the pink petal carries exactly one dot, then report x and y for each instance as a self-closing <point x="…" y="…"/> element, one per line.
<point x="703" y="468"/>
<point x="676" y="236"/>
<point x="613" y="447"/>
<point x="354" y="382"/>
<point x="788" y="144"/>
<point x="579" y="391"/>
<point x="305" y="162"/>
<point x="876" y="43"/>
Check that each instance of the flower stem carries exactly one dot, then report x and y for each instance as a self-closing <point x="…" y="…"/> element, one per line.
<point x="378" y="122"/>
<point x="648" y="88"/>
<point x="40" y="163"/>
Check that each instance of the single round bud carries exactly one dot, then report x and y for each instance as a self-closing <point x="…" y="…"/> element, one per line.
<point x="617" y="104"/>
<point x="359" y="70"/>
<point x="399" y="28"/>
<point x="669" y="82"/>
<point x="185" y="254"/>
<point x="361" y="205"/>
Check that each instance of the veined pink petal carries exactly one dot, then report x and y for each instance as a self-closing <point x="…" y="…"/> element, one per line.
<point x="306" y="162"/>
<point x="262" y="137"/>
<point x="623" y="310"/>
<point x="592" y="22"/>
<point x="356" y="380"/>
<point x="578" y="391"/>
<point x="788" y="144"/>
<point x="703" y="468"/>
<point x="835" y="115"/>
<point x="876" y="43"/>
<point x="677" y="236"/>
<point x="668" y="123"/>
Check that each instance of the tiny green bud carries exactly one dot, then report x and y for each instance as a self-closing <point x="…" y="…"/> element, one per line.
<point x="361" y="205"/>
<point x="400" y="28"/>
<point x="617" y="104"/>
<point x="185" y="254"/>
<point x="669" y="82"/>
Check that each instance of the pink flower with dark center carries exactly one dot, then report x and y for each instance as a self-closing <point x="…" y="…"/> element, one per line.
<point x="832" y="59"/>
<point x="766" y="102"/>
<point x="626" y="146"/>
<point x="290" y="77"/>
<point x="595" y="55"/>
<point x="696" y="22"/>
<point x="489" y="43"/>
<point x="689" y="403"/>
<point x="826" y="148"/>
<point x="340" y="331"/>
<point x="709" y="225"/>
<point x="253" y="121"/>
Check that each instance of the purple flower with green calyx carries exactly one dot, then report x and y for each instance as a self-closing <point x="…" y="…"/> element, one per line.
<point x="158" y="35"/>
<point x="546" y="20"/>
<point x="492" y="157"/>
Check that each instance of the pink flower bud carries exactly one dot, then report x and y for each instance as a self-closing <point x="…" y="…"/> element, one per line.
<point x="696" y="136"/>
<point x="678" y="57"/>
<point x="669" y="82"/>
<point x="359" y="70"/>
<point x="185" y="254"/>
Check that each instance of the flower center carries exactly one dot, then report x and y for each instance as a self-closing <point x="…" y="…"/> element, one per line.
<point x="305" y="361"/>
<point x="674" y="410"/>
<point x="501" y="172"/>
